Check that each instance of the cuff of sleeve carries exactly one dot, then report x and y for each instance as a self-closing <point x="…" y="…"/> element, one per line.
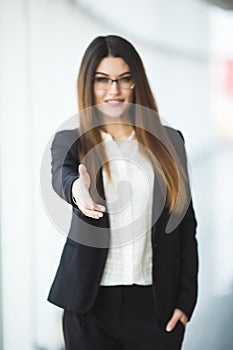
<point x="68" y="190"/>
<point x="74" y="200"/>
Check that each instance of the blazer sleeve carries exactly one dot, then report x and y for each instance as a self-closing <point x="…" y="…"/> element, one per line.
<point x="188" y="286"/>
<point x="65" y="163"/>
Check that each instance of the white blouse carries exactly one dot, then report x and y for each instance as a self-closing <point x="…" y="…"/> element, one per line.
<point x="129" y="204"/>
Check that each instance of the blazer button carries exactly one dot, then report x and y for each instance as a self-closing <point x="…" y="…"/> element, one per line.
<point x="154" y="245"/>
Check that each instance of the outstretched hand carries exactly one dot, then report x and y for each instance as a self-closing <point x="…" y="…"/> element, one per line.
<point x="82" y="197"/>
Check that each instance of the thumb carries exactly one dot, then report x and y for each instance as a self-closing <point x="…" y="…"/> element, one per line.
<point x="84" y="176"/>
<point x="82" y="169"/>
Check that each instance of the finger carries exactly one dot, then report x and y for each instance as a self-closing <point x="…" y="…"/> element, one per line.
<point x="89" y="204"/>
<point x="171" y="324"/>
<point x="92" y="213"/>
<point x="173" y="321"/>
<point x="99" y="208"/>
<point x="96" y="207"/>
<point x="93" y="206"/>
<point x="184" y="319"/>
<point x="183" y="323"/>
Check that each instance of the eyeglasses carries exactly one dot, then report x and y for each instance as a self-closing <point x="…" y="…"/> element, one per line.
<point x="103" y="83"/>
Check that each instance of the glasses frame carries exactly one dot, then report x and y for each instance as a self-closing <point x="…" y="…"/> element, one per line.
<point x="111" y="81"/>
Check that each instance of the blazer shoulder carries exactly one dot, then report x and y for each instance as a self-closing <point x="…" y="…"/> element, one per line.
<point x="66" y="137"/>
<point x="172" y="132"/>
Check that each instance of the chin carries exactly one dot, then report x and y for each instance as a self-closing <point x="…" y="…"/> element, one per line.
<point x="113" y="111"/>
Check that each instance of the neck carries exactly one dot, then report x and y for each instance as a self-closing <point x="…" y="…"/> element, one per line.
<point x="118" y="126"/>
<point x="118" y="130"/>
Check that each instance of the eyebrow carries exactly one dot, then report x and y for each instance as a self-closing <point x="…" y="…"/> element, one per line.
<point x="107" y="75"/>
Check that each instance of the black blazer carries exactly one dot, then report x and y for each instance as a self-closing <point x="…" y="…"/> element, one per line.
<point x="175" y="258"/>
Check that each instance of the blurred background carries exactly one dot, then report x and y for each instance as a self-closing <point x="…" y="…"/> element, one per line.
<point x="186" y="46"/>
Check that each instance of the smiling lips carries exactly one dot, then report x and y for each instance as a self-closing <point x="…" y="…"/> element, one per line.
<point x="114" y="102"/>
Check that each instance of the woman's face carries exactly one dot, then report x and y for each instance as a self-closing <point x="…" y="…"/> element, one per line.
<point x="113" y="98"/>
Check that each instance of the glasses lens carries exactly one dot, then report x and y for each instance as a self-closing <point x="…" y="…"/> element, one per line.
<point x="102" y="83"/>
<point x="126" y="82"/>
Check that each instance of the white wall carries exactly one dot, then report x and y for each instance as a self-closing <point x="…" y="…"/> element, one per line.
<point x="17" y="195"/>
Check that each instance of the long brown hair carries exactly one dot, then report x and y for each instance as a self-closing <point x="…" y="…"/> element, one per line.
<point x="148" y="128"/>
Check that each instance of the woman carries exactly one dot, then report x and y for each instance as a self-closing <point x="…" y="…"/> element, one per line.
<point x="123" y="281"/>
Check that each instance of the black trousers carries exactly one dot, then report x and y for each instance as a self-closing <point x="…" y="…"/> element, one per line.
<point x="122" y="318"/>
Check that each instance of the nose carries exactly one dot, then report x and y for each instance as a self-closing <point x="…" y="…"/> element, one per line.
<point x="114" y="87"/>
